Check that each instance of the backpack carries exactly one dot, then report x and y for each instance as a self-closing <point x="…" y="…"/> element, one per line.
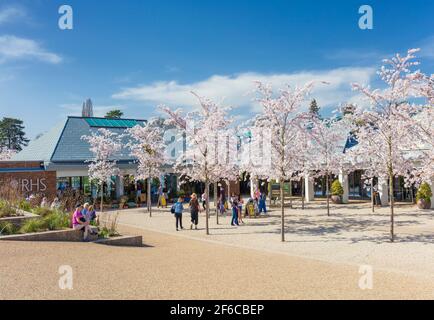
<point x="172" y="209"/>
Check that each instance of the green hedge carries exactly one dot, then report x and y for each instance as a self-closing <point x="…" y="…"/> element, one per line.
<point x="424" y="192"/>
<point x="337" y="189"/>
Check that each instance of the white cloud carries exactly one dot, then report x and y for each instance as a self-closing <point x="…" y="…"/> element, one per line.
<point x="14" y="48"/>
<point x="357" y="56"/>
<point x="427" y="48"/>
<point x="11" y="14"/>
<point x="236" y="90"/>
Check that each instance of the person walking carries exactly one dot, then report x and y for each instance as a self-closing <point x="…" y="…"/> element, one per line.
<point x="160" y="196"/>
<point x="194" y="210"/>
<point x="262" y="203"/>
<point x="240" y="209"/>
<point x="177" y="210"/>
<point x="204" y="201"/>
<point x="234" y="203"/>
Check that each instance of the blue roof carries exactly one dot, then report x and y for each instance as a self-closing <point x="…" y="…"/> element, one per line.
<point x="64" y="144"/>
<point x="42" y="148"/>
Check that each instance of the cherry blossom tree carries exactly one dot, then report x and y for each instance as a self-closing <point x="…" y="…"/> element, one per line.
<point x="387" y="129"/>
<point x="200" y="162"/>
<point x="305" y="156"/>
<point x="6" y="154"/>
<point x="280" y="116"/>
<point x="328" y="138"/>
<point x="104" y="144"/>
<point x="424" y="124"/>
<point x="148" y="148"/>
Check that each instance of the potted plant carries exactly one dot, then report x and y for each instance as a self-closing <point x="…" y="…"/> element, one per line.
<point x="181" y="194"/>
<point x="423" y="196"/>
<point x="337" y="192"/>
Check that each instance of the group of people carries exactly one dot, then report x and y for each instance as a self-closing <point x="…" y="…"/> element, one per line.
<point x="178" y="208"/>
<point x="83" y="217"/>
<point x="53" y="206"/>
<point x="236" y="202"/>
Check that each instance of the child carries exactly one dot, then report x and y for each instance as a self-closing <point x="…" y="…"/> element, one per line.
<point x="178" y="207"/>
<point x="234" y="202"/>
<point x="240" y="210"/>
<point x="262" y="203"/>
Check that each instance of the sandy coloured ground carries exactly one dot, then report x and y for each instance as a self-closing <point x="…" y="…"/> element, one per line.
<point x="320" y="260"/>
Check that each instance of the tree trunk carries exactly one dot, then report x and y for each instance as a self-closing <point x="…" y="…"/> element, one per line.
<point x="392" y="234"/>
<point x="216" y="202"/>
<point x="207" y="207"/>
<point x="411" y="194"/>
<point x="302" y="193"/>
<point x="282" y="207"/>
<point x="102" y="197"/>
<point x="372" y="195"/>
<point x="149" y="198"/>
<point x="290" y="194"/>
<point x="327" y="194"/>
<point x="270" y="193"/>
<point x="229" y="190"/>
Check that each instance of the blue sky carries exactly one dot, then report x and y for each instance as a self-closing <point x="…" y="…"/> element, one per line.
<point x="137" y="54"/>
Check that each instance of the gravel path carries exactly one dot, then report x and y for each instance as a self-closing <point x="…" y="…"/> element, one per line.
<point x="351" y="235"/>
<point x="320" y="260"/>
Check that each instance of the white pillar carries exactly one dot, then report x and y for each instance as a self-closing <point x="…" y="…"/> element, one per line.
<point x="253" y="186"/>
<point x="383" y="191"/>
<point x="343" y="179"/>
<point x="431" y="185"/>
<point x="162" y="181"/>
<point x="119" y="186"/>
<point x="309" y="191"/>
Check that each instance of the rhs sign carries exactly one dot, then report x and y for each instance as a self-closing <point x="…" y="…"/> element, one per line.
<point x="23" y="177"/>
<point x="29" y="185"/>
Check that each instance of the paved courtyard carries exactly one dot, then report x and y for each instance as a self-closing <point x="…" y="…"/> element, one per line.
<point x="320" y="259"/>
<point x="352" y="234"/>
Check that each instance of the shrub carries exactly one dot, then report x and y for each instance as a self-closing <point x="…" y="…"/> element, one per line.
<point x="7" y="209"/>
<point x="424" y="192"/>
<point x="25" y="205"/>
<point x="56" y="221"/>
<point x="110" y="226"/>
<point x="42" y="211"/>
<point x="33" y="225"/>
<point x="7" y="228"/>
<point x="337" y="189"/>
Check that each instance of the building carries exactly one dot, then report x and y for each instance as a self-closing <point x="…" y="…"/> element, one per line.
<point x="62" y="151"/>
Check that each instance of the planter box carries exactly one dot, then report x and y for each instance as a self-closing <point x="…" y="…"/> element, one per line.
<point x="336" y="199"/>
<point x="122" y="241"/>
<point x="422" y="204"/>
<point x="68" y="235"/>
<point x="18" y="221"/>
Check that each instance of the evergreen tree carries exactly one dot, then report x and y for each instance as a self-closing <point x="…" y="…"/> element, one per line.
<point x="314" y="109"/>
<point x="348" y="109"/>
<point x="12" y="135"/>
<point x="114" y="114"/>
